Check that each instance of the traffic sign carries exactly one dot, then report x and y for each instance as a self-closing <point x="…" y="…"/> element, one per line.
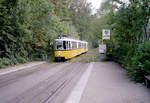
<point x="102" y="48"/>
<point x="106" y="34"/>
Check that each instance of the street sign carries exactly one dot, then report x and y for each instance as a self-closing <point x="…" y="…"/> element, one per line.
<point x="106" y="34"/>
<point x="102" y="48"/>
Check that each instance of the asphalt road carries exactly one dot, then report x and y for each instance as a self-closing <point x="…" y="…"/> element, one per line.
<point x="55" y="82"/>
<point x="40" y="84"/>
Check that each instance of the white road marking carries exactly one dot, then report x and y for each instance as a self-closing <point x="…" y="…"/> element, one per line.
<point x="20" y="68"/>
<point x="77" y="92"/>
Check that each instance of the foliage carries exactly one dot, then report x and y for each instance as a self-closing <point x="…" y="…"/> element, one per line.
<point x="109" y="6"/>
<point x="140" y="63"/>
<point x="80" y="12"/>
<point x="128" y="24"/>
<point x="128" y="30"/>
<point x="29" y="27"/>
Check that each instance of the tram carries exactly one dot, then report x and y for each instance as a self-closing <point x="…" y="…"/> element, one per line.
<point x="67" y="47"/>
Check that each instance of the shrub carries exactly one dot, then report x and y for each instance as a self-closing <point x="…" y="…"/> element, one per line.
<point x="140" y="63"/>
<point x="120" y="52"/>
<point x="4" y="62"/>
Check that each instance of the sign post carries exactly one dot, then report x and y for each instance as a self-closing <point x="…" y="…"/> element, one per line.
<point x="102" y="47"/>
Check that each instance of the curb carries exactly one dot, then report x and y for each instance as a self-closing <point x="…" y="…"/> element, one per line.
<point x="14" y="69"/>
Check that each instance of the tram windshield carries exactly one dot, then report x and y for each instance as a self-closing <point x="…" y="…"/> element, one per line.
<point x="59" y="45"/>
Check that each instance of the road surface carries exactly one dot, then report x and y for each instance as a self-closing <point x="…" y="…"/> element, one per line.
<point x="97" y="82"/>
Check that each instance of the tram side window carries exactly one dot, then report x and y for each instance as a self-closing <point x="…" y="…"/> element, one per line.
<point x="64" y="45"/>
<point x="80" y="45"/>
<point x="74" y="45"/>
<point x="84" y="46"/>
<point x="69" y="45"/>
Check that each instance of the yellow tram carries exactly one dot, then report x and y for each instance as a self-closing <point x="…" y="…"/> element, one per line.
<point x="67" y="48"/>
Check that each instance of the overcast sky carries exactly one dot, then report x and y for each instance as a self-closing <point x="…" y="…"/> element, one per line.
<point x="95" y="3"/>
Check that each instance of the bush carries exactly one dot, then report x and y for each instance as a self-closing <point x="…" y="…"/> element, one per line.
<point x="21" y="59"/>
<point x="120" y="52"/>
<point x="140" y="63"/>
<point x="5" y="62"/>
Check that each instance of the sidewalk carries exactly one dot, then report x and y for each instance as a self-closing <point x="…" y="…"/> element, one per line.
<point x="109" y="83"/>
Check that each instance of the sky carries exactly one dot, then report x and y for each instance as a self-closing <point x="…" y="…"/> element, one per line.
<point x="95" y="4"/>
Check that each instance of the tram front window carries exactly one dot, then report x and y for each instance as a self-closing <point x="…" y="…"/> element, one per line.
<point x="59" y="45"/>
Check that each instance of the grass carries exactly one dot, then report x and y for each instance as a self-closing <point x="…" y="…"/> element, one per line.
<point x="91" y="56"/>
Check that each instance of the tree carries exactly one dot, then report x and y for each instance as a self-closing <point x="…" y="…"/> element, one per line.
<point x="81" y="15"/>
<point x="109" y="6"/>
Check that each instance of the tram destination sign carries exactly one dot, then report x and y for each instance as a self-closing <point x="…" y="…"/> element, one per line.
<point x="106" y="34"/>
